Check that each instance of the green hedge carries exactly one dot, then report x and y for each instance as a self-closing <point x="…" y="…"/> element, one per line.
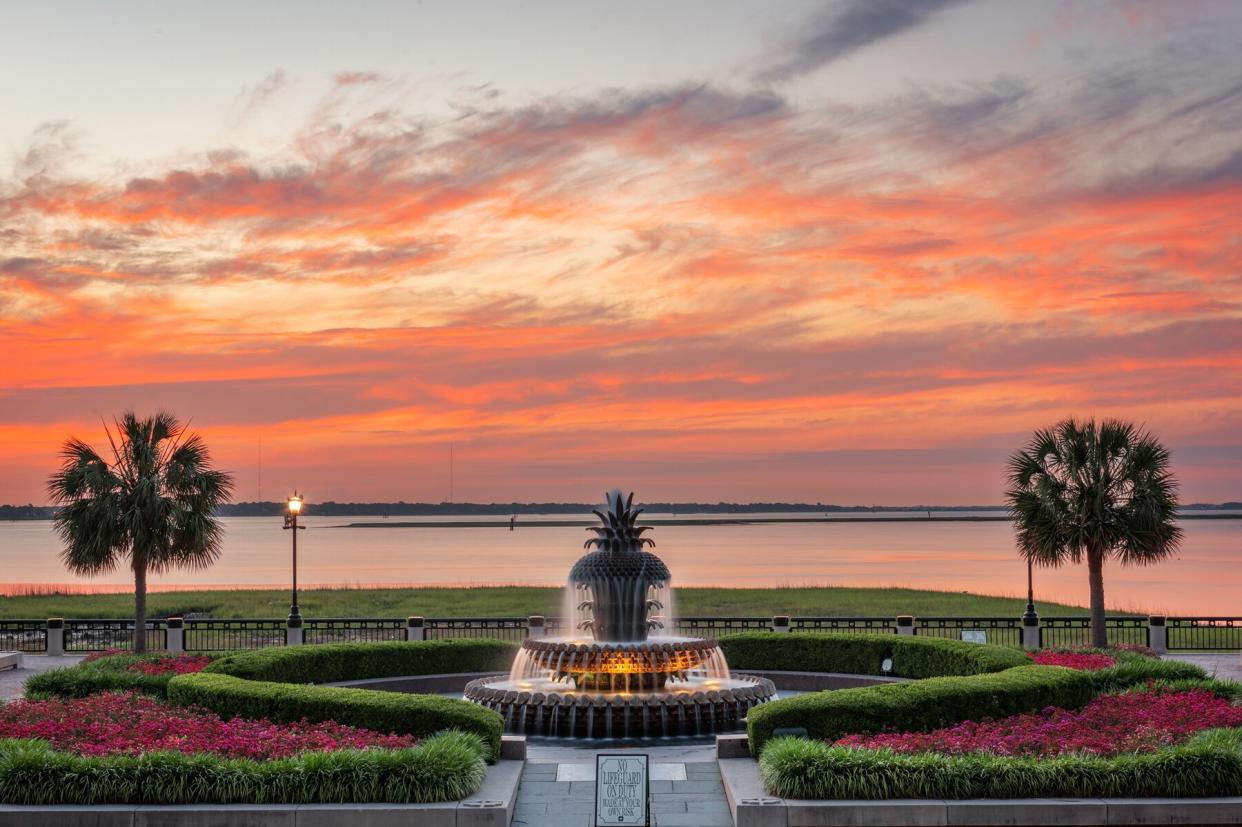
<point x="332" y="662"/>
<point x="447" y="767"/>
<point x="1209" y="764"/>
<point x="920" y="705"/>
<point x="913" y="657"/>
<point x="1132" y="670"/>
<point x="420" y="715"/>
<point x="107" y="674"/>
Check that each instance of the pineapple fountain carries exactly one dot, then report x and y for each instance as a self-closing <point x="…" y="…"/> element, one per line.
<point x="623" y="675"/>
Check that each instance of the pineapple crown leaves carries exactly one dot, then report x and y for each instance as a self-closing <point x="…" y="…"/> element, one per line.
<point x="617" y="530"/>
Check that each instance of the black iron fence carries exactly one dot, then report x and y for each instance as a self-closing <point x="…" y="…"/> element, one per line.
<point x="224" y="635"/>
<point x="1061" y="632"/>
<point x="850" y="625"/>
<point x="23" y="635"/>
<point x="504" y="628"/>
<point x="101" y="635"/>
<point x="1204" y="633"/>
<point x="352" y="630"/>
<point x="213" y="635"/>
<point x="716" y="626"/>
<point x="1000" y="631"/>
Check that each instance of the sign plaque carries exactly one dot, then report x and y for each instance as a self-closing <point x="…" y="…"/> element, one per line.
<point x="975" y="635"/>
<point x="622" y="790"/>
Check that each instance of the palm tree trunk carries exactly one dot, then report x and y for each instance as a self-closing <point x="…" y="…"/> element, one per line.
<point x="1095" y="572"/>
<point x="140" y="606"/>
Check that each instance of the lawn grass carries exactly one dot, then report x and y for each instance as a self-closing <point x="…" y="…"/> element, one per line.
<point x="519" y="601"/>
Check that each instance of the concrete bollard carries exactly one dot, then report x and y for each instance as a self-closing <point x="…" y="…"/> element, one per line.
<point x="414" y="629"/>
<point x="56" y="636"/>
<point x="176" y="634"/>
<point x="780" y="623"/>
<point x="905" y="624"/>
<point x="294" y="633"/>
<point x="1030" y="633"/>
<point x="536" y="626"/>
<point x="1158" y="634"/>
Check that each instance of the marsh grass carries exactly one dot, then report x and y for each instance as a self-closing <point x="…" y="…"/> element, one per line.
<point x="520" y="601"/>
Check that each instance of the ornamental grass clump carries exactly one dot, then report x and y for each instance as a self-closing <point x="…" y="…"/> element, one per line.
<point x="134" y="724"/>
<point x="1132" y="722"/>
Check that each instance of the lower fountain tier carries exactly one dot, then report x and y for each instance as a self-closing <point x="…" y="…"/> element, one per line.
<point x="699" y="706"/>
<point x="668" y="655"/>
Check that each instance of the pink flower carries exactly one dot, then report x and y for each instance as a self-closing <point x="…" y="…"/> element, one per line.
<point x="179" y="665"/>
<point x="129" y="724"/>
<point x="1089" y="661"/>
<point x="1109" y="725"/>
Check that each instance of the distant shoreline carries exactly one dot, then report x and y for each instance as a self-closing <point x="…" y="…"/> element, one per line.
<point x="711" y="521"/>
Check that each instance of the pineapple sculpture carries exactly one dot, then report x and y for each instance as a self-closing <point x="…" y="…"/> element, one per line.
<point x="619" y="579"/>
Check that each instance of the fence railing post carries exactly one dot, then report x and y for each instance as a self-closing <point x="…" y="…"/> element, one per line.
<point x="1158" y="634"/>
<point x="780" y="623"/>
<point x="56" y="636"/>
<point x="414" y="629"/>
<point x="536" y="626"/>
<point x="295" y="635"/>
<point x="905" y="624"/>
<point x="1030" y="632"/>
<point x="176" y="634"/>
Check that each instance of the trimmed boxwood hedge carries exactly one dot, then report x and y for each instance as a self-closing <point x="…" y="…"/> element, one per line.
<point x="920" y="705"/>
<point x="333" y="662"/>
<point x="1209" y="764"/>
<point x="982" y="681"/>
<point x="913" y="657"/>
<point x="447" y="767"/>
<point x="420" y="715"/>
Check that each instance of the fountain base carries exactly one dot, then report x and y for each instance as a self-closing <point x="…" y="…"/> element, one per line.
<point x="658" y="688"/>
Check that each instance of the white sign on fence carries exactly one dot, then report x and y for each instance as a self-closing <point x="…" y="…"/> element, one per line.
<point x="975" y="635"/>
<point x="622" y="790"/>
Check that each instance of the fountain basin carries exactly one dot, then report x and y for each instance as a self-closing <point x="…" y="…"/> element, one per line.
<point x="698" y="706"/>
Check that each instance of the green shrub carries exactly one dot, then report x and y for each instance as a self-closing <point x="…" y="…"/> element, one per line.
<point x="88" y="679"/>
<point x="1209" y="764"/>
<point x="446" y="767"/>
<point x="110" y="673"/>
<point x="420" y="715"/>
<point x="920" y="705"/>
<point x="1133" y="670"/>
<point x="913" y="657"/>
<point x="332" y="662"/>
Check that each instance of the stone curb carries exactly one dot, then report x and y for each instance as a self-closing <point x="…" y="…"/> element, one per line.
<point x="751" y="806"/>
<point x="491" y="806"/>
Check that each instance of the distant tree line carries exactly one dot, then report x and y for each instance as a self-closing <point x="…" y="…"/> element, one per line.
<point x="9" y="513"/>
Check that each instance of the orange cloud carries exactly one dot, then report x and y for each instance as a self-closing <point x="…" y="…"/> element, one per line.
<point x="646" y="284"/>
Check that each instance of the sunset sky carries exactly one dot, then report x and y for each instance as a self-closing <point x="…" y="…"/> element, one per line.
<point x="850" y="252"/>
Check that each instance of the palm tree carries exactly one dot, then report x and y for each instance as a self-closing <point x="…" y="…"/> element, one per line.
<point x="1081" y="490"/>
<point x="152" y="503"/>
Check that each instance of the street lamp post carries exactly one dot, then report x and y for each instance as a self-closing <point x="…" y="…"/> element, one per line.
<point x="294" y="507"/>
<point x="1030" y="618"/>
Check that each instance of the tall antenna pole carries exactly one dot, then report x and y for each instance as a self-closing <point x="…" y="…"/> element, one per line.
<point x="260" y="494"/>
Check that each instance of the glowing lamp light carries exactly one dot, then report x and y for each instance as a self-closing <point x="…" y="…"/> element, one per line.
<point x="295" y="503"/>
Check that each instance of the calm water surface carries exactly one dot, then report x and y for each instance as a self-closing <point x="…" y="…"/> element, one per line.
<point x="978" y="557"/>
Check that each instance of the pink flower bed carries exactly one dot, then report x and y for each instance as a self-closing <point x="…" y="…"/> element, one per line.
<point x="106" y="653"/>
<point x="1109" y="725"/>
<point x="1088" y="661"/>
<point x="179" y="665"/>
<point x="129" y="724"/>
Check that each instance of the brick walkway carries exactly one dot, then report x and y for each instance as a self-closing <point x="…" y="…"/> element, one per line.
<point x="11" y="680"/>
<point x="1224" y="665"/>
